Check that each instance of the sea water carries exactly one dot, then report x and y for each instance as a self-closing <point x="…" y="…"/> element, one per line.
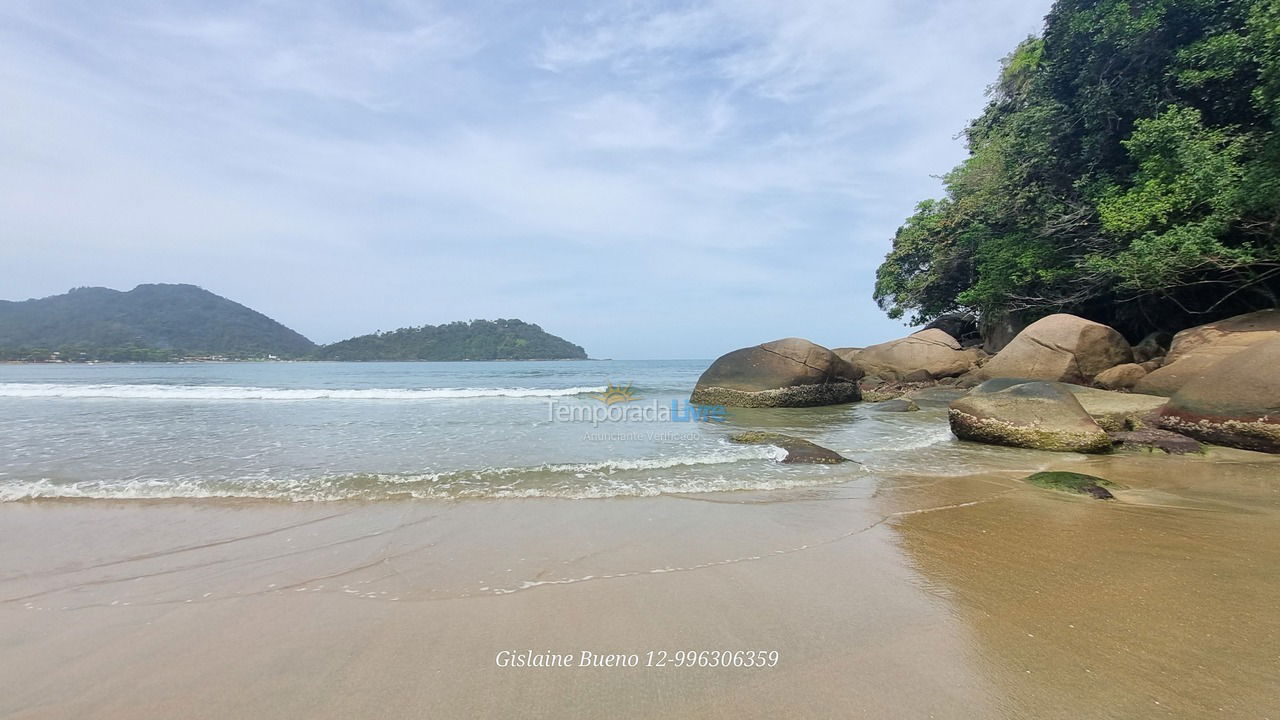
<point x="373" y="431"/>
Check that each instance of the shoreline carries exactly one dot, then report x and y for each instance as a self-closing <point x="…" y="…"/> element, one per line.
<point x="900" y="596"/>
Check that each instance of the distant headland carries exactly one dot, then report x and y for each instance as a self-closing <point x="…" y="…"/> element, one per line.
<point x="173" y="322"/>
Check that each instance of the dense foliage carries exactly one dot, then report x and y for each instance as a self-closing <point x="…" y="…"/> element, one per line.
<point x="150" y="322"/>
<point x="1127" y="168"/>
<point x="476" y="340"/>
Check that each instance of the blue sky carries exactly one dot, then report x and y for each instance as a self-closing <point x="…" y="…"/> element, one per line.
<point x="646" y="179"/>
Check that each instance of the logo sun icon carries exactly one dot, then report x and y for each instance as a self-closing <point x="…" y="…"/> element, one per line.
<point x="616" y="394"/>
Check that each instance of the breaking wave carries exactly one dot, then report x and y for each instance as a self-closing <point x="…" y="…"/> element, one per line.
<point x="232" y="392"/>
<point x="695" y="473"/>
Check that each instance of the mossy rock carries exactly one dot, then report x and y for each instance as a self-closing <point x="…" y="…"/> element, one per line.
<point x="1077" y="483"/>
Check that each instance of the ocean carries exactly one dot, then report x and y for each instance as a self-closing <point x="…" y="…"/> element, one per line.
<point x="316" y="432"/>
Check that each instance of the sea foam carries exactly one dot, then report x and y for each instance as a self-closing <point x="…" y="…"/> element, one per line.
<point x="234" y="392"/>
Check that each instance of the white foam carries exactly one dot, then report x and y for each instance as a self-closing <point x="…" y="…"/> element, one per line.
<point x="609" y="478"/>
<point x="234" y="392"/>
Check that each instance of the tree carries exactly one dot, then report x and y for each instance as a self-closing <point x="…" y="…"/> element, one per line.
<point x="1126" y="168"/>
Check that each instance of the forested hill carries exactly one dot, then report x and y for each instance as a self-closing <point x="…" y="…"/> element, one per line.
<point x="150" y="322"/>
<point x="1126" y="168"/>
<point x="476" y="340"/>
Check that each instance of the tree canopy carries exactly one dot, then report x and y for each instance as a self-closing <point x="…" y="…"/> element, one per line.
<point x="476" y="340"/>
<point x="1126" y="168"/>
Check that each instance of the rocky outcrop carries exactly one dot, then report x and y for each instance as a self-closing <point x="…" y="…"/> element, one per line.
<point x="1120" y="377"/>
<point x="1039" y="415"/>
<point x="799" y="450"/>
<point x="1195" y="351"/>
<point x="783" y="373"/>
<point x="921" y="357"/>
<point x="1235" y="403"/>
<point x="1061" y="348"/>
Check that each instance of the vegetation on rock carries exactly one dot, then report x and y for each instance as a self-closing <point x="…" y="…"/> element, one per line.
<point x="475" y="340"/>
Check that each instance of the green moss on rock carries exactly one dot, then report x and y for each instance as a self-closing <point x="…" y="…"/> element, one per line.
<point x="1077" y="483"/>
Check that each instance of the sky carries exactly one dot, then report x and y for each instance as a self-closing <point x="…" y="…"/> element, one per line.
<point x="646" y="179"/>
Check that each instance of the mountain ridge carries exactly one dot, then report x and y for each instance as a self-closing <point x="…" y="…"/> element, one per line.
<point x="167" y="322"/>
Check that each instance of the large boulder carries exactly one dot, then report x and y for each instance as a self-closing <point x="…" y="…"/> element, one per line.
<point x="1195" y="351"/>
<point x="1039" y="415"/>
<point x="847" y="353"/>
<point x="1061" y="348"/>
<point x="1236" y="403"/>
<point x="783" y="373"/>
<point x="920" y="357"/>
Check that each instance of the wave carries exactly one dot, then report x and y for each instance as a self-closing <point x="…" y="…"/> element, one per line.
<point x="604" y="479"/>
<point x="233" y="392"/>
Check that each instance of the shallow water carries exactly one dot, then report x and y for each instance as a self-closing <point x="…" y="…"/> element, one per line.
<point x="371" y="431"/>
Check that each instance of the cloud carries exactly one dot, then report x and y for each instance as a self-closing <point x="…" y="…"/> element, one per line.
<point x="704" y="175"/>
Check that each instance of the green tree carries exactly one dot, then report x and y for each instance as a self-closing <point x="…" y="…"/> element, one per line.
<point x="1126" y="168"/>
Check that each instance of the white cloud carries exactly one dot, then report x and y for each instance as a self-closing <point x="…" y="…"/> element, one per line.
<point x="707" y="172"/>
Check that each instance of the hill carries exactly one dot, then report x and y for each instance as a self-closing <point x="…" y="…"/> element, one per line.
<point x="150" y="322"/>
<point x="476" y="340"/>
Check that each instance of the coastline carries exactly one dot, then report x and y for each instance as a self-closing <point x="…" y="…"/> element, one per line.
<point x="904" y="596"/>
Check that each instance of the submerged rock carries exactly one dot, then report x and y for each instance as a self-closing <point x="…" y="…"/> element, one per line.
<point x="1237" y="403"/>
<point x="1038" y="415"/>
<point x="1155" y="439"/>
<point x="799" y="450"/>
<point x="1196" y="351"/>
<point x="1062" y="348"/>
<point x="937" y="397"/>
<point x="901" y="404"/>
<point x="783" y="373"/>
<point x="1077" y="483"/>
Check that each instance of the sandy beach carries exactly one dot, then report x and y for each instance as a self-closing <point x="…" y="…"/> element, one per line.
<point x="967" y="597"/>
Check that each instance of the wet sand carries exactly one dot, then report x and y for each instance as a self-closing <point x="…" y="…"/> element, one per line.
<point x="963" y="597"/>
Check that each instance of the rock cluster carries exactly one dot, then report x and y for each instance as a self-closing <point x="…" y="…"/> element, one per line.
<point x="1061" y="383"/>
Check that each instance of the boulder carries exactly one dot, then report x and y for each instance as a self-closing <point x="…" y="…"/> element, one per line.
<point x="847" y="353"/>
<point x="783" y="373"/>
<point x="998" y="330"/>
<point x="1195" y="351"/>
<point x="1115" y="411"/>
<point x="920" y="357"/>
<point x="1062" y="348"/>
<point x="1072" y="482"/>
<point x="1152" y="346"/>
<point x="1155" y="439"/>
<point x="1236" y="403"/>
<point x="962" y="327"/>
<point x="1039" y="415"/>
<point x="1120" y="377"/>
<point x="799" y="450"/>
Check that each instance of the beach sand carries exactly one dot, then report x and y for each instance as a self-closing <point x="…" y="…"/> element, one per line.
<point x="959" y="597"/>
